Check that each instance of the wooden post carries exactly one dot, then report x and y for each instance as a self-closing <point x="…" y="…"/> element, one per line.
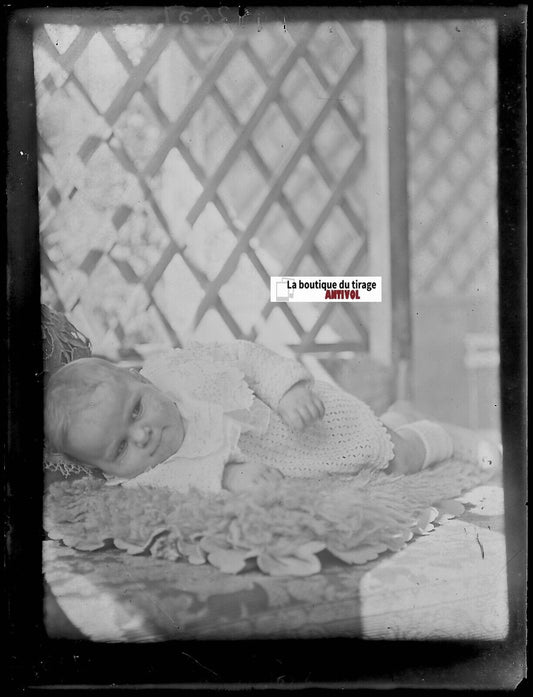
<point x="388" y="223"/>
<point x="399" y="208"/>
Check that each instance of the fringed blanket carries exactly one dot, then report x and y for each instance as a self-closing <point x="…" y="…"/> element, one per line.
<point x="281" y="527"/>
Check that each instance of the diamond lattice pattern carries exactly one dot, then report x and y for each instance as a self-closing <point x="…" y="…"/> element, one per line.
<point x="451" y="83"/>
<point x="182" y="165"/>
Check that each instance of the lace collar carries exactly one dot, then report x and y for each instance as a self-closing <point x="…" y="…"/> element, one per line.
<point x="204" y="431"/>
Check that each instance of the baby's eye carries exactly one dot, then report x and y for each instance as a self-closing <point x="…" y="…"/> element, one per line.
<point x="137" y="410"/>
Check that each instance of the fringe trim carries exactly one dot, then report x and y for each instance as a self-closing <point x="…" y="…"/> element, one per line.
<point x="282" y="525"/>
<point x="56" y="462"/>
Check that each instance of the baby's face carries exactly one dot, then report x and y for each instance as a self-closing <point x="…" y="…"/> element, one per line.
<point x="127" y="427"/>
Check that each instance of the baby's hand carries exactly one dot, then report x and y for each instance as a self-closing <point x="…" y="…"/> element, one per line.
<point x="300" y="407"/>
<point x="243" y="476"/>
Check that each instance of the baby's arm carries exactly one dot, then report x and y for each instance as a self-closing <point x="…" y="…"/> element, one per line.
<point x="300" y="406"/>
<point x="267" y="373"/>
<point x="282" y="383"/>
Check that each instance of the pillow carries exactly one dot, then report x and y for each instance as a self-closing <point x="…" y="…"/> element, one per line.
<point x="62" y="343"/>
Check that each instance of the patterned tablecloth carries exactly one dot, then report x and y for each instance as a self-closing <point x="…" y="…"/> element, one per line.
<point x="450" y="583"/>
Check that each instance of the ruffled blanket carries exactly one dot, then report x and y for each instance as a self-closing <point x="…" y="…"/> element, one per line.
<point x="281" y="527"/>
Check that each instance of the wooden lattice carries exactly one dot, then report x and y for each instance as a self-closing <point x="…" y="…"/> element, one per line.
<point x="451" y="70"/>
<point x="183" y="165"/>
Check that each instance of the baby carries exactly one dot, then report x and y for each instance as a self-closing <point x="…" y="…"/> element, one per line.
<point x="230" y="416"/>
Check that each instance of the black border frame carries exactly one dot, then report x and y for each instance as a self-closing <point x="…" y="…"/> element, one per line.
<point x="35" y="661"/>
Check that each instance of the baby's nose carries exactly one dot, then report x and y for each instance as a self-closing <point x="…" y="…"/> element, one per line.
<point x="141" y="435"/>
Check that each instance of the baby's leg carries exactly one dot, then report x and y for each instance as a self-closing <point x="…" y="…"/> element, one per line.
<point x="413" y="452"/>
<point x="408" y="454"/>
<point x="469" y="445"/>
<point x="422" y="443"/>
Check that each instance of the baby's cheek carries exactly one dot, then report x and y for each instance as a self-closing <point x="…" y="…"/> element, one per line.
<point x="167" y="408"/>
<point x="159" y="410"/>
<point x="171" y="417"/>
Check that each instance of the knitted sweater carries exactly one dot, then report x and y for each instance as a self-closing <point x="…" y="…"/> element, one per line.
<point x="228" y="395"/>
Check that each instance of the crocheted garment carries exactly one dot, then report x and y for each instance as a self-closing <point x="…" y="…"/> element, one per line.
<point x="268" y="375"/>
<point x="348" y="438"/>
<point x="281" y="526"/>
<point x="211" y="440"/>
